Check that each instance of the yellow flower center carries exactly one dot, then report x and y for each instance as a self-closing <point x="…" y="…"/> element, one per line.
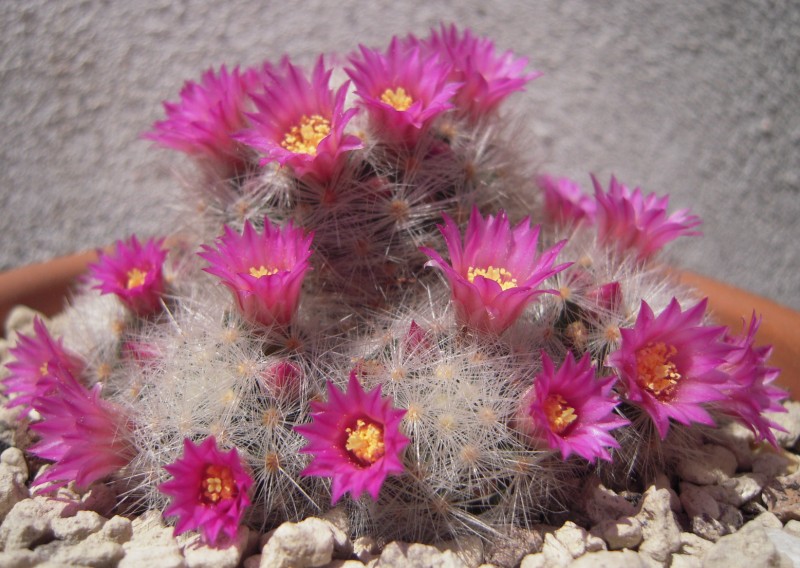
<point x="397" y="98"/>
<point x="262" y="271"/>
<point x="655" y="372"/>
<point x="44" y="369"/>
<point x="365" y="442"/>
<point x="499" y="275"/>
<point x="136" y="278"/>
<point x="559" y="414"/>
<point x="303" y="138"/>
<point x="217" y="484"/>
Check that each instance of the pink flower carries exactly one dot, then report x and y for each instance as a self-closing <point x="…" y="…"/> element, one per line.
<point x="749" y="390"/>
<point x="300" y="123"/>
<point x="402" y="90"/>
<point x="87" y="437"/>
<point x="355" y="440"/>
<point x="209" y="112"/>
<point x="209" y="490"/>
<point x="31" y="374"/>
<point x="669" y="365"/>
<point x="133" y="272"/>
<point x="565" y="203"/>
<point x="630" y="221"/>
<point x="264" y="271"/>
<point x="486" y="78"/>
<point x="571" y="410"/>
<point x="494" y="274"/>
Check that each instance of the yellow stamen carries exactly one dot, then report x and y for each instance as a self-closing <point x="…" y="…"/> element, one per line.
<point x="655" y="372"/>
<point x="365" y="442"/>
<point x="44" y="370"/>
<point x="303" y="138"/>
<point x="262" y="271"/>
<point x="397" y="98"/>
<point x="217" y="484"/>
<point x="499" y="275"/>
<point x="559" y="414"/>
<point x="136" y="278"/>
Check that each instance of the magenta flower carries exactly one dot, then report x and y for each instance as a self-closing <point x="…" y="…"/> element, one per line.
<point x="209" y="490"/>
<point x="86" y="436"/>
<point x="263" y="271"/>
<point x="355" y="440"/>
<point x="495" y="273"/>
<point x="669" y="365"/>
<point x="630" y="221"/>
<point x="487" y="78"/>
<point x="571" y="410"/>
<point x="300" y="123"/>
<point x="402" y="90"/>
<point x="565" y="203"/>
<point x="749" y="390"/>
<point x="209" y="112"/>
<point x="31" y="373"/>
<point x="133" y="272"/>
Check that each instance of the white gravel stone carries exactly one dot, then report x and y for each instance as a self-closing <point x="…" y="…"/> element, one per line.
<point x="661" y="534"/>
<point x="403" y="555"/>
<point x="305" y="544"/>
<point x="118" y="529"/>
<point x="253" y="561"/>
<point x="90" y="552"/>
<point x="694" y="545"/>
<point x="746" y="548"/>
<point x="21" y="558"/>
<point x="345" y="564"/>
<point x="13" y="475"/>
<point x="625" y="532"/>
<point x="786" y="544"/>
<point x="609" y="559"/>
<point x="20" y="320"/>
<point x="768" y="520"/>
<point x="513" y="545"/>
<point x="555" y="553"/>
<point x="790" y="421"/>
<point x="737" y="490"/>
<point x="684" y="561"/>
<point x="78" y="527"/>
<point x="738" y="439"/>
<point x="25" y="525"/>
<point x="792" y="527"/>
<point x="601" y="503"/>
<point x="717" y="464"/>
<point x="537" y="560"/>
<point x="365" y="548"/>
<point x="697" y="501"/>
<point x="770" y="464"/>
<point x="468" y="549"/>
<point x="198" y="555"/>
<point x="161" y="555"/>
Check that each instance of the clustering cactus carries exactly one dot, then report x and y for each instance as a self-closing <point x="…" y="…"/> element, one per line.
<point x="371" y="299"/>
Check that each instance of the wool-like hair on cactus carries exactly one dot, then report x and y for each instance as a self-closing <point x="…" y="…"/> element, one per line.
<point x="372" y="299"/>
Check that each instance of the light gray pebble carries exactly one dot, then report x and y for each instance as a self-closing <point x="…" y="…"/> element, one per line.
<point x="746" y="548"/>
<point x="307" y="543"/>
<point x="228" y="555"/>
<point x="738" y="439"/>
<point x="792" y="527"/>
<point x="694" y="545"/>
<point x="770" y="464"/>
<point x="404" y="555"/>
<point x="625" y="532"/>
<point x="697" y="501"/>
<point x="78" y="527"/>
<point x="555" y="553"/>
<point x="790" y="421"/>
<point x="609" y="559"/>
<point x="469" y="549"/>
<point x="161" y="555"/>
<point x="717" y="464"/>
<point x="601" y="503"/>
<point x="684" y="561"/>
<point x="661" y="534"/>
<point x="768" y="520"/>
<point x="118" y="529"/>
<point x="89" y="552"/>
<point x="737" y="490"/>
<point x="21" y="558"/>
<point x="13" y="477"/>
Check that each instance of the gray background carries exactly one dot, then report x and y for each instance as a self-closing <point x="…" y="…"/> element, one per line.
<point x="696" y="99"/>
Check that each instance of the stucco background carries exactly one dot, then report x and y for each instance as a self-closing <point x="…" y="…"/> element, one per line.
<point x="699" y="99"/>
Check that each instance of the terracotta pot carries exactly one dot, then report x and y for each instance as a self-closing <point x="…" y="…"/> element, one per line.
<point x="44" y="286"/>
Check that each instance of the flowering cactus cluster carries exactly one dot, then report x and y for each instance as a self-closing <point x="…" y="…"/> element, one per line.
<point x="371" y="300"/>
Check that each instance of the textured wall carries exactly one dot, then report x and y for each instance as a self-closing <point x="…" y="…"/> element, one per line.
<point x="697" y="99"/>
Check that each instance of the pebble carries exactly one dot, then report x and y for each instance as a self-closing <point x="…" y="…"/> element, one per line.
<point x="93" y="552"/>
<point x="738" y="439"/>
<point x="684" y="561"/>
<point x="746" y="548"/>
<point x="661" y="534"/>
<point x="13" y="475"/>
<point x="625" y="532"/>
<point x="513" y="545"/>
<point x="199" y="555"/>
<point x="717" y="465"/>
<point x="782" y="497"/>
<point x="469" y="550"/>
<point x="555" y="554"/>
<point x="698" y="502"/>
<point x="738" y="490"/>
<point x="600" y="503"/>
<point x="693" y="545"/>
<point x="790" y="421"/>
<point x="609" y="559"/>
<point x="786" y="543"/>
<point x="403" y="555"/>
<point x="161" y="555"/>
<point x="78" y="527"/>
<point x="308" y="543"/>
